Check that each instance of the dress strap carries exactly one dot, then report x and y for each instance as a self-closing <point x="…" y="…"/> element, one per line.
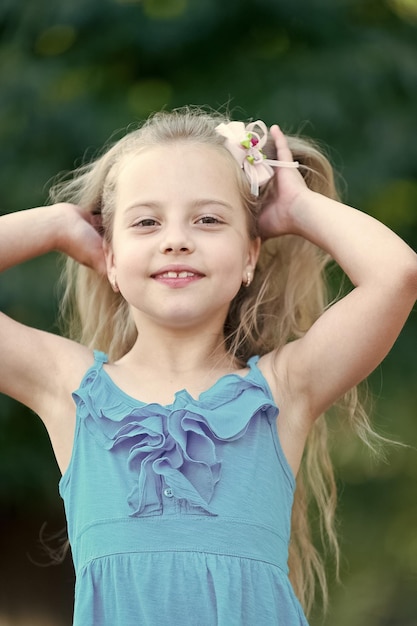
<point x="100" y="358"/>
<point x="258" y="375"/>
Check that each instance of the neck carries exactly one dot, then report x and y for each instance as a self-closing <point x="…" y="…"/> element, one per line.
<point x="179" y="352"/>
<point x="164" y="361"/>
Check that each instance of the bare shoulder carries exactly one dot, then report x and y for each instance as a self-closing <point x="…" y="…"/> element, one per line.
<point x="275" y="367"/>
<point x="41" y="370"/>
<point x="293" y="423"/>
<point x="37" y="366"/>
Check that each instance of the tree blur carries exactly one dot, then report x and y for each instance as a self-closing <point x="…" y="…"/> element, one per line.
<point x="75" y="74"/>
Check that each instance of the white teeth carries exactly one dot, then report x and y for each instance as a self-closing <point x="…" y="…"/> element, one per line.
<point x="177" y="274"/>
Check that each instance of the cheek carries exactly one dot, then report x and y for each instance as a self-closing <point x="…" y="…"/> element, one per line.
<point x="231" y="266"/>
<point x="122" y="264"/>
<point x="127" y="263"/>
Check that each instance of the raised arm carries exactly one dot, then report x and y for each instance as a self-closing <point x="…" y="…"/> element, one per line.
<point x="354" y="335"/>
<point x="32" y="362"/>
<point x="65" y="227"/>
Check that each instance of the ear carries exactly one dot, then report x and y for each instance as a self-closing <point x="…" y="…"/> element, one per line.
<point x="110" y="264"/>
<point x="252" y="259"/>
<point x="253" y="254"/>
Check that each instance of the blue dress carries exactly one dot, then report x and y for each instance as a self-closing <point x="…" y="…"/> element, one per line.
<point x="179" y="514"/>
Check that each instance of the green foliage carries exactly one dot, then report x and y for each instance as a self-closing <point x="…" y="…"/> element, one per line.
<point x="343" y="71"/>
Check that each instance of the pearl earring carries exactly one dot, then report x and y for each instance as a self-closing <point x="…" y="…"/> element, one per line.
<point x="248" y="279"/>
<point x="114" y="284"/>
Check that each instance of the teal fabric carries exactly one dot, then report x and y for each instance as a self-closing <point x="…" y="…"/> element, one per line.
<point x="179" y="514"/>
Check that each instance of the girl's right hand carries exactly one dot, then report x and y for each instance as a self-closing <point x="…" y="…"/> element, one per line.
<point x="78" y="237"/>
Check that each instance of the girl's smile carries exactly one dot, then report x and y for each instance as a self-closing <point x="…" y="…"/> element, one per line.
<point x="176" y="276"/>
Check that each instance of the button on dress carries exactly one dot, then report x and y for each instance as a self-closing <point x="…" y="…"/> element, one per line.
<point x="179" y="514"/>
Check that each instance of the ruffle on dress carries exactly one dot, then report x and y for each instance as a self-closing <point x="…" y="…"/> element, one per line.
<point x="176" y="441"/>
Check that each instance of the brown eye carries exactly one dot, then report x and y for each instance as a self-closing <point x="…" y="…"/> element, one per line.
<point x="208" y="219"/>
<point x="147" y="222"/>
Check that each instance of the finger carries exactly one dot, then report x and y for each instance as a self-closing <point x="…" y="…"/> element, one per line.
<point x="281" y="144"/>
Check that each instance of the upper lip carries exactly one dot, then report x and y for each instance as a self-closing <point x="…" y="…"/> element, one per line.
<point x="177" y="268"/>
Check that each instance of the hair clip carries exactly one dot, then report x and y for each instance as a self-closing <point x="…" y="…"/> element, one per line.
<point x="246" y="145"/>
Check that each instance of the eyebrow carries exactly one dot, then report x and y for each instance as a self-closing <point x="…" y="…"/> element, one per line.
<point x="206" y="201"/>
<point x="198" y="204"/>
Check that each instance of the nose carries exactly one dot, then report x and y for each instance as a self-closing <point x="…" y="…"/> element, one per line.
<point x="177" y="240"/>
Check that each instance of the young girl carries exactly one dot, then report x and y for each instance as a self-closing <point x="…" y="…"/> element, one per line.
<point x="196" y="274"/>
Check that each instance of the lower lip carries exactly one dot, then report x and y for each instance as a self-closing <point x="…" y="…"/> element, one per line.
<point x="177" y="283"/>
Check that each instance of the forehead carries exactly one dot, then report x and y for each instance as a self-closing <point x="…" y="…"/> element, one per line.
<point x="181" y="169"/>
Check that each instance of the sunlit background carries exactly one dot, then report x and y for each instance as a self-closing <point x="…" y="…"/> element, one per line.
<point x="73" y="73"/>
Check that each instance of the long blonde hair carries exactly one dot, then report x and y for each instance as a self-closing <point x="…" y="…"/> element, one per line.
<point x="287" y="295"/>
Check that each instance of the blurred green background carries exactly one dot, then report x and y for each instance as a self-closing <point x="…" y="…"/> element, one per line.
<point x="72" y="73"/>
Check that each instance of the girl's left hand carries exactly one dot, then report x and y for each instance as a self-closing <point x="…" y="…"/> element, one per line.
<point x="276" y="216"/>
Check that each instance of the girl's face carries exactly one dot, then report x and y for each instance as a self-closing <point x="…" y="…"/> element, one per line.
<point x="180" y="247"/>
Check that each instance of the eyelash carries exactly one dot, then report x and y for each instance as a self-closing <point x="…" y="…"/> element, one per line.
<point x="211" y="218"/>
<point x="144" y="223"/>
<point x="149" y="222"/>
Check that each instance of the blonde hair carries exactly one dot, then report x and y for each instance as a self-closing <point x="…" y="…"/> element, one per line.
<point x="287" y="295"/>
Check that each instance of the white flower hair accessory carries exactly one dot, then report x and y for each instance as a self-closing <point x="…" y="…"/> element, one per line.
<point x="246" y="146"/>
